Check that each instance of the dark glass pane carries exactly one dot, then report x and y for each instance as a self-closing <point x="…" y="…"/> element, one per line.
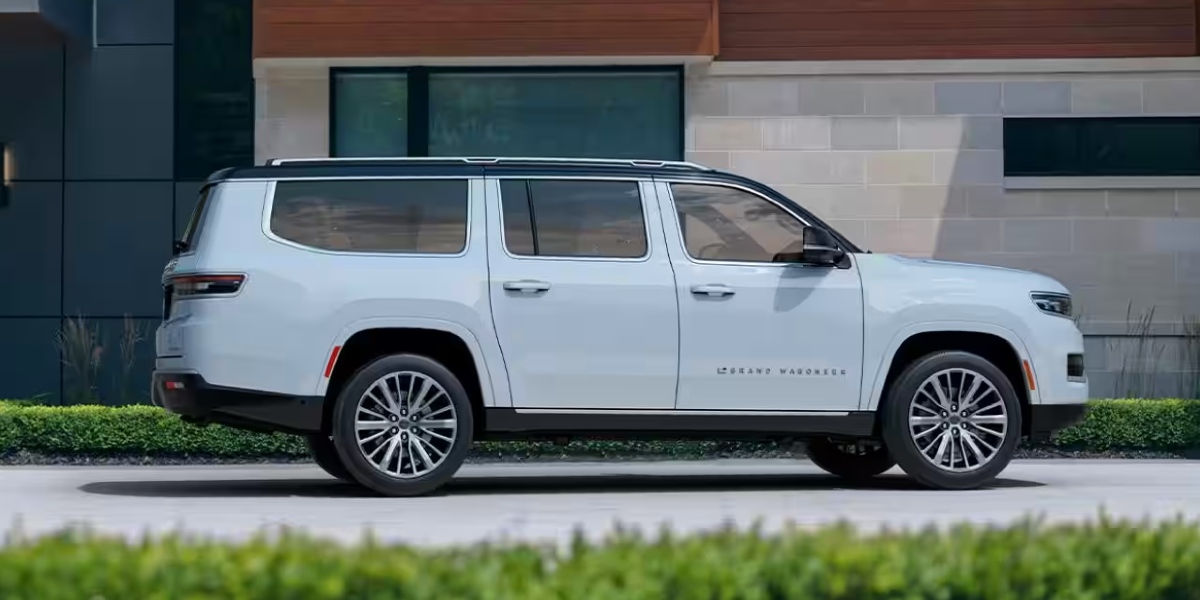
<point x="214" y="87"/>
<point x="589" y="218"/>
<point x="518" y="223"/>
<point x="1146" y="147"/>
<point x="1102" y="146"/>
<point x="1043" y="147"/>
<point x="427" y="217"/>
<point x="370" y="114"/>
<point x="560" y="114"/>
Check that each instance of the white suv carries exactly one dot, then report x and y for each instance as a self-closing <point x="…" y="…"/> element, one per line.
<point x="394" y="310"/>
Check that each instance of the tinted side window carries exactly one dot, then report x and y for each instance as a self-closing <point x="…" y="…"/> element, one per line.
<point x="403" y="216"/>
<point x="728" y="224"/>
<point x="598" y="219"/>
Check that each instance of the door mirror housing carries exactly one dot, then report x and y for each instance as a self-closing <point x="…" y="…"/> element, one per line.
<point x="816" y="247"/>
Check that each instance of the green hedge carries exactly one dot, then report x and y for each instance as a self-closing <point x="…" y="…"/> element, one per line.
<point x="1129" y="425"/>
<point x="1110" y="560"/>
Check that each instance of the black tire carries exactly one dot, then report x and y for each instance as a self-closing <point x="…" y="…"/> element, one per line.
<point x="849" y="463"/>
<point x="899" y="441"/>
<point x="344" y="416"/>
<point x="325" y="454"/>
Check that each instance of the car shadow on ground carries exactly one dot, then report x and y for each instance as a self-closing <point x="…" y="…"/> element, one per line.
<point x="517" y="485"/>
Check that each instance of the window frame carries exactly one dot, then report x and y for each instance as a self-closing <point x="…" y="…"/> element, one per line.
<point x="418" y="114"/>
<point x="269" y="208"/>
<point x="637" y="181"/>
<point x="669" y="183"/>
<point x="1083" y="136"/>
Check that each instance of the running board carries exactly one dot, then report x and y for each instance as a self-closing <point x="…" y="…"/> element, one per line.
<point x="503" y="422"/>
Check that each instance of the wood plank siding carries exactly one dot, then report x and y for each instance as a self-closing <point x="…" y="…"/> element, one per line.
<point x="425" y="28"/>
<point x="946" y="29"/>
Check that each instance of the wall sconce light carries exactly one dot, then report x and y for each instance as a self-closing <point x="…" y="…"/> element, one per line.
<point x="5" y="173"/>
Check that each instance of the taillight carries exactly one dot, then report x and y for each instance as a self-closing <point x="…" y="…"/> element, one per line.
<point x="191" y="286"/>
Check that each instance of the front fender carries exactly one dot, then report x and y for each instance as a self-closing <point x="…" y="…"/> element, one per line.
<point x="874" y="392"/>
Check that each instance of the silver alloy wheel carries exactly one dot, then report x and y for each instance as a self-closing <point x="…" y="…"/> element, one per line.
<point x="405" y="424"/>
<point x="958" y="420"/>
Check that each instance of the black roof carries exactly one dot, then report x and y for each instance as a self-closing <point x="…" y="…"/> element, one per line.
<point x="532" y="167"/>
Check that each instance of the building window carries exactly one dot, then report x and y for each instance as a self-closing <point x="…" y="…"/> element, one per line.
<point x="394" y="216"/>
<point x="602" y="112"/>
<point x="1102" y="147"/>
<point x="592" y="219"/>
<point x="214" y="87"/>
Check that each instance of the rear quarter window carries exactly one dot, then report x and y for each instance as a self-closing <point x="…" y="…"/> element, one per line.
<point x="191" y="233"/>
<point x="389" y="216"/>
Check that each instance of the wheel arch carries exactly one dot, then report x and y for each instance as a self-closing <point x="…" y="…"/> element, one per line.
<point x="998" y="345"/>
<point x="451" y="344"/>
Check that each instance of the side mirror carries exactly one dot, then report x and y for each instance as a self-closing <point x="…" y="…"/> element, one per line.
<point x="817" y="247"/>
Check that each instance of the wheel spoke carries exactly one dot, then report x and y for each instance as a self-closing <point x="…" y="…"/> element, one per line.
<point x="371" y="425"/>
<point x="437" y="435"/>
<point x="387" y="456"/>
<point x="941" y="451"/>
<point x="969" y="440"/>
<point x="438" y="424"/>
<point x="371" y="438"/>
<point x="968" y="399"/>
<point x="943" y="400"/>
<point x="418" y="443"/>
<point x="988" y="419"/>
<point x="387" y="394"/>
<point x="371" y="413"/>
<point x="924" y="420"/>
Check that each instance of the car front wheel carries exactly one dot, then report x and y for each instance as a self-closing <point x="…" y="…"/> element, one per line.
<point x="952" y="421"/>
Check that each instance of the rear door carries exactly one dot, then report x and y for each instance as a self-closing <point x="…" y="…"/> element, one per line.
<point x="582" y="292"/>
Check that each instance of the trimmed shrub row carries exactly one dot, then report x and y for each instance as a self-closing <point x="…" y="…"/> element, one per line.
<point x="1111" y="425"/>
<point x="1112" y="560"/>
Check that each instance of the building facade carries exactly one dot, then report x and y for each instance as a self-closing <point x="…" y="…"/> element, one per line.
<point x="1061" y="136"/>
<point x="111" y="114"/>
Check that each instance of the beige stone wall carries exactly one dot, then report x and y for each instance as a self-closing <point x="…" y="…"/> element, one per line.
<point x="291" y="113"/>
<point x="912" y="162"/>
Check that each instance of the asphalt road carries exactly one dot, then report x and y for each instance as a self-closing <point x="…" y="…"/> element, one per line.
<point x="549" y="501"/>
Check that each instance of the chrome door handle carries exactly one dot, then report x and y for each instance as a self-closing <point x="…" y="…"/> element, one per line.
<point x="712" y="289"/>
<point x="526" y="286"/>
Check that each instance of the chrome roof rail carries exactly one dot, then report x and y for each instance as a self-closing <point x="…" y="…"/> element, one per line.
<point x="674" y="164"/>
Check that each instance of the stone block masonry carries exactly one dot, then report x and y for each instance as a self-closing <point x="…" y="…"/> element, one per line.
<point x="908" y="157"/>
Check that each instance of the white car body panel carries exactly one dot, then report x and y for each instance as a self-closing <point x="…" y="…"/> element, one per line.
<point x="612" y="335"/>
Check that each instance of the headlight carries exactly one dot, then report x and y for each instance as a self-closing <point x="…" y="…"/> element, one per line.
<point x="1051" y="303"/>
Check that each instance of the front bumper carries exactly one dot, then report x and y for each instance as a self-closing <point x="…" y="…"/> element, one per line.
<point x="189" y="395"/>
<point x="1047" y="419"/>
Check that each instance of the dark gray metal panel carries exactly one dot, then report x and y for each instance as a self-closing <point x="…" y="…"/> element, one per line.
<point x="73" y="17"/>
<point x="186" y="194"/>
<point x="31" y="250"/>
<point x="31" y="109"/>
<point x="120" y="113"/>
<point x="127" y="360"/>
<point x="28" y="359"/>
<point x="117" y="240"/>
<point x="135" y="22"/>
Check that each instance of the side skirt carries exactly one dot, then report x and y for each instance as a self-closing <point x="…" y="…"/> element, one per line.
<point x="509" y="423"/>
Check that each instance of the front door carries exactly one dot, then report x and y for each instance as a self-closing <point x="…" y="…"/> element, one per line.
<point x="582" y="293"/>
<point x="756" y="334"/>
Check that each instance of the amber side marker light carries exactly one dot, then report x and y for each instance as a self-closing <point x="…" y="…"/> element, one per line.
<point x="1029" y="376"/>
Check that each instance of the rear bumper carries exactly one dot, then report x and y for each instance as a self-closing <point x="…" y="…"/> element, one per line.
<point x="188" y="395"/>
<point x="1047" y="419"/>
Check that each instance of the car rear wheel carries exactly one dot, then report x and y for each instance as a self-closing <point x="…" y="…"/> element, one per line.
<point x="850" y="460"/>
<point x="952" y="421"/>
<point x="325" y="454"/>
<point x="403" y="425"/>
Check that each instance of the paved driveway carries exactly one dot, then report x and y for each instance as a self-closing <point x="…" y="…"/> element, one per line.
<point x="548" y="501"/>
